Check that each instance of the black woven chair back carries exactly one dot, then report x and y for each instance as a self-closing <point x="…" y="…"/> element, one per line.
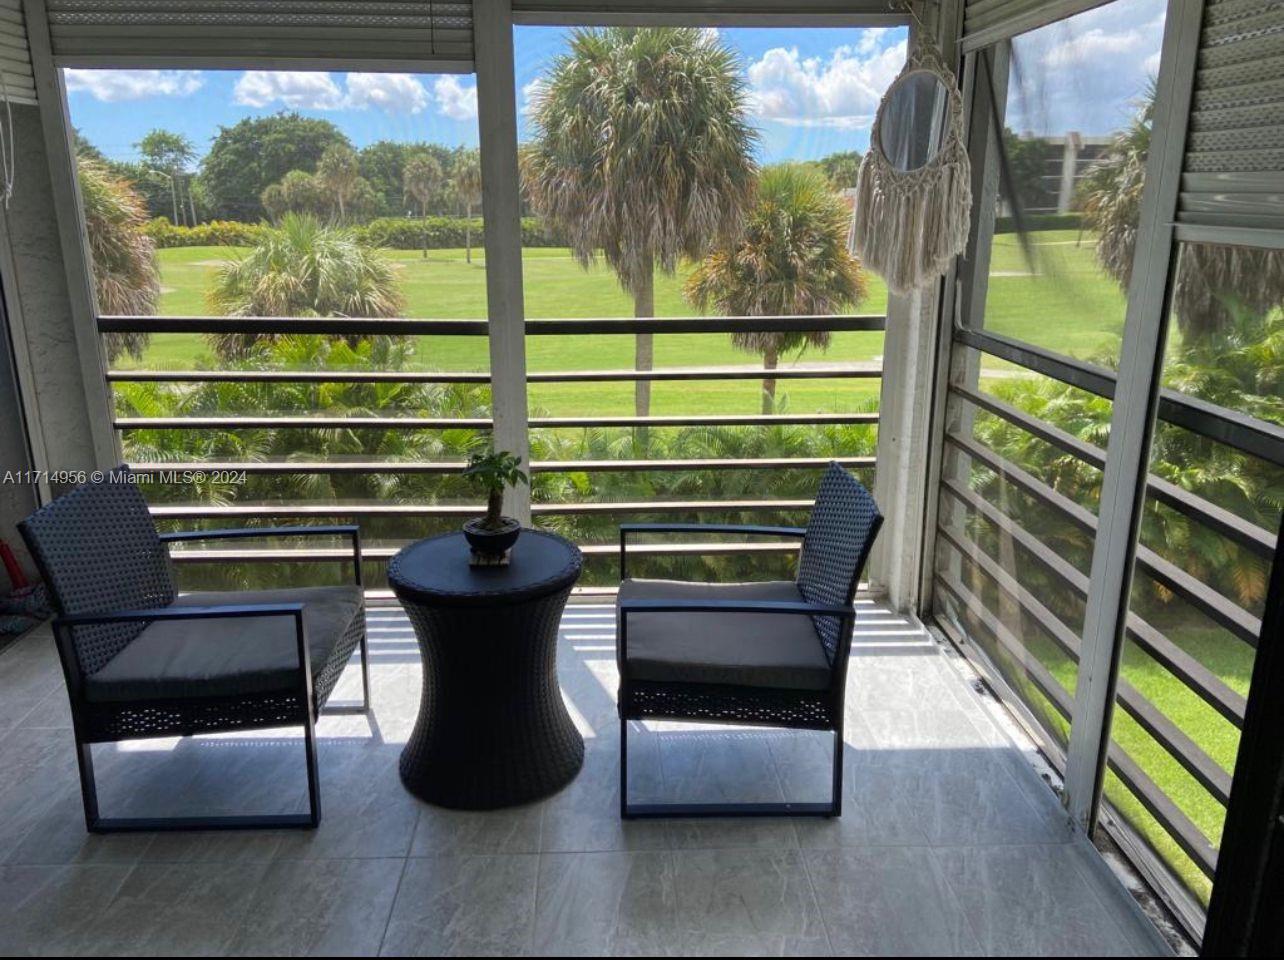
<point x="843" y="525"/>
<point x="97" y="549"/>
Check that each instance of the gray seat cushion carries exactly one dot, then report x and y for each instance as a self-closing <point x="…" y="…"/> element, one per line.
<point x="227" y="657"/>
<point x="748" y="649"/>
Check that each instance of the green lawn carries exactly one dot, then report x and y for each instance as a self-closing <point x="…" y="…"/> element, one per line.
<point x="444" y="286"/>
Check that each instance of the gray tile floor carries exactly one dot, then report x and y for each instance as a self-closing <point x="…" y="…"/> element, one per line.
<point x="949" y="844"/>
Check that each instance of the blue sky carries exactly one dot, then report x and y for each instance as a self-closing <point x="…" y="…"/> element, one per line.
<point x="812" y="91"/>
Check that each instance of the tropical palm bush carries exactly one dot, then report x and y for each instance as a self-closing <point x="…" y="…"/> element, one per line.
<point x="300" y="268"/>
<point x="641" y="150"/>
<point x="790" y="260"/>
<point x="391" y="399"/>
<point x="126" y="275"/>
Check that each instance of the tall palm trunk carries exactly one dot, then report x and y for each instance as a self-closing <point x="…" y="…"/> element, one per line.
<point x="173" y="196"/>
<point x="191" y="201"/>
<point x="644" y="346"/>
<point x="770" y="358"/>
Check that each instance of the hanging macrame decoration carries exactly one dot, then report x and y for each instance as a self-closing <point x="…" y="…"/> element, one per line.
<point x="914" y="190"/>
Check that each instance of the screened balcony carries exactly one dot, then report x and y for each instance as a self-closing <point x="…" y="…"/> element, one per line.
<point x="296" y="266"/>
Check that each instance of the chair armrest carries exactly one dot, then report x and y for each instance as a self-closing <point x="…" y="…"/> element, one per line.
<point x="245" y="533"/>
<point x="181" y="613"/>
<point x="734" y="606"/>
<point x="346" y="529"/>
<point x="745" y="530"/>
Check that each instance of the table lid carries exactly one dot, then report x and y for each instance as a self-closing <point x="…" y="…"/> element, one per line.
<point x="436" y="570"/>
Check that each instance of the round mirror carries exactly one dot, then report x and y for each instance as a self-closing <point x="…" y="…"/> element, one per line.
<point x="914" y="120"/>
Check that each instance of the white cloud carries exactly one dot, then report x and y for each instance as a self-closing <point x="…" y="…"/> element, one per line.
<point x="389" y="92"/>
<point x="842" y="91"/>
<point x="455" y="100"/>
<point x="297" y="89"/>
<point x="1095" y="45"/>
<point x="871" y="38"/>
<point x="112" y="86"/>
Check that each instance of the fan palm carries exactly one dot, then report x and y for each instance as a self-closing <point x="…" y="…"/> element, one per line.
<point x="339" y="174"/>
<point x="126" y="277"/>
<point x="641" y="149"/>
<point x="301" y="268"/>
<point x="466" y="180"/>
<point x="1211" y="279"/>
<point x="420" y="179"/>
<point x="791" y="260"/>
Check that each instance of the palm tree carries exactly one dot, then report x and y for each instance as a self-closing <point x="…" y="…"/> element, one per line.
<point x="301" y="268"/>
<point x="791" y="260"/>
<point x="420" y="178"/>
<point x="338" y="173"/>
<point x="466" y="180"/>
<point x="126" y="277"/>
<point x="1212" y="280"/>
<point x="641" y="150"/>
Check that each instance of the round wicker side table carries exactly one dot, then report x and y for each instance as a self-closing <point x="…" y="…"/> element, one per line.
<point x="493" y="730"/>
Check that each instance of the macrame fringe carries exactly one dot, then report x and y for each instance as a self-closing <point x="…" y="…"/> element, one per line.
<point x="908" y="226"/>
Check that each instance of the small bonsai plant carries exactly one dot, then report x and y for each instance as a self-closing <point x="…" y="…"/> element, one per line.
<point x="493" y="471"/>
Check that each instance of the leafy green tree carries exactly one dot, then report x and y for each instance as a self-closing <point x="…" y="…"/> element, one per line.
<point x="465" y="179"/>
<point x="641" y="150"/>
<point x="171" y="155"/>
<point x="248" y="156"/>
<point x="123" y="257"/>
<point x="296" y="192"/>
<point x="381" y="164"/>
<point x="339" y="174"/>
<point x="421" y="179"/>
<point x="790" y="260"/>
<point x="300" y="268"/>
<point x="841" y="168"/>
<point x="1027" y="161"/>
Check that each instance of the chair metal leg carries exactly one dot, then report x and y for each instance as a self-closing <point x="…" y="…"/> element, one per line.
<point x="365" y="672"/>
<point x="314" y="781"/>
<point x="659" y="811"/>
<point x="352" y="709"/>
<point x="88" y="788"/>
<point x="98" y="824"/>
<point x="837" y="795"/>
<point x="624" y="769"/>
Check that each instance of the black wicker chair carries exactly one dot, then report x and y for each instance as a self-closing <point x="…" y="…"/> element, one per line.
<point x="141" y="661"/>
<point x="761" y="654"/>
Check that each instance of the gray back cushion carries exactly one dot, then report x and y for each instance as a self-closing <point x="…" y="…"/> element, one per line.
<point x="842" y="528"/>
<point x="98" y="550"/>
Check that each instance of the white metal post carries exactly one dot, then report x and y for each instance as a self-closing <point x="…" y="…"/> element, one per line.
<point x="1132" y="419"/>
<point x="77" y="262"/>
<point x="501" y="212"/>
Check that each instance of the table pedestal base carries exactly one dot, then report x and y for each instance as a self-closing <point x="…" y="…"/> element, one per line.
<point x="493" y="730"/>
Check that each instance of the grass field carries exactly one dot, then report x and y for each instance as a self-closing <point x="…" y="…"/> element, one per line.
<point x="1069" y="306"/>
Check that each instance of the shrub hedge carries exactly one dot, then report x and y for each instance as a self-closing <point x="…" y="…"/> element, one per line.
<point x="399" y="233"/>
